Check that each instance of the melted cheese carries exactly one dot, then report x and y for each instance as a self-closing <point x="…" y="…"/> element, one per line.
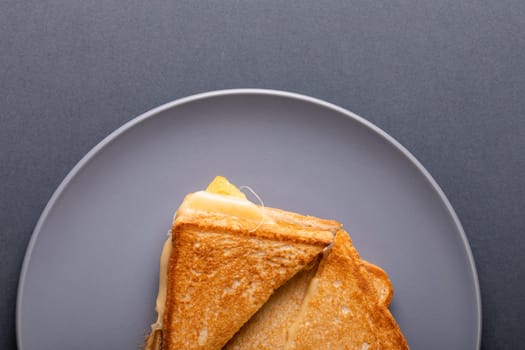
<point x="310" y="293"/>
<point x="292" y="332"/>
<point x="221" y="185"/>
<point x="163" y="282"/>
<point x="204" y="201"/>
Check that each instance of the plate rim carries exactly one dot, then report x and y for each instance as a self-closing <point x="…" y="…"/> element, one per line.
<point x="90" y="155"/>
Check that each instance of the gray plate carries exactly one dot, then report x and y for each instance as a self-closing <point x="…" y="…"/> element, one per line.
<point x="89" y="278"/>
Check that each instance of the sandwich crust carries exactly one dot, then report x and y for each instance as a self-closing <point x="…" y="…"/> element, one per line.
<point x="381" y="283"/>
<point x="285" y="228"/>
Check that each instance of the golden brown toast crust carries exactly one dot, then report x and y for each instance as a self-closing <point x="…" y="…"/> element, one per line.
<point x="343" y="297"/>
<point x="280" y="231"/>
<point x="381" y="282"/>
<point x="291" y="218"/>
<point x="220" y="273"/>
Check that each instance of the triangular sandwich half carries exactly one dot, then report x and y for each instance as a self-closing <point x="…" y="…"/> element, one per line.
<point x="340" y="310"/>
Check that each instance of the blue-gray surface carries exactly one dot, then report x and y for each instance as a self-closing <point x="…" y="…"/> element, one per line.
<point x="446" y="78"/>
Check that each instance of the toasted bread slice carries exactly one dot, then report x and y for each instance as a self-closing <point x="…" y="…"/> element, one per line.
<point x="268" y="328"/>
<point x="340" y="295"/>
<point x="224" y="267"/>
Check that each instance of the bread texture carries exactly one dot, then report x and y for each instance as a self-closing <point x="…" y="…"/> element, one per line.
<point x="220" y="273"/>
<point x="268" y="328"/>
<point x="341" y="296"/>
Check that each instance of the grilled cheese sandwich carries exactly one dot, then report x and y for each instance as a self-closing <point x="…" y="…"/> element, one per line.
<point x="223" y="261"/>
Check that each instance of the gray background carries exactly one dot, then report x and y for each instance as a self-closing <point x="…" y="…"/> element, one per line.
<point x="445" y="78"/>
